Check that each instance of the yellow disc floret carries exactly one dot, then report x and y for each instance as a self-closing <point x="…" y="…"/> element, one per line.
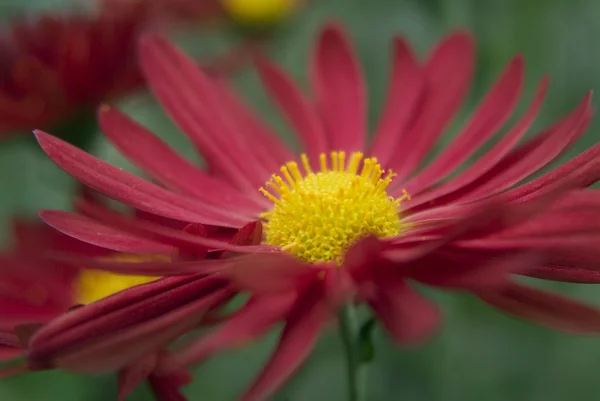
<point x="93" y="285"/>
<point x="317" y="216"/>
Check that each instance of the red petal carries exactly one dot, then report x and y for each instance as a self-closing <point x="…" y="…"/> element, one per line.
<point x="339" y="90"/>
<point x="493" y="112"/>
<point x="406" y="315"/>
<point x="454" y="57"/>
<point x="96" y="233"/>
<point x="405" y="93"/>
<point x="192" y="100"/>
<point x="544" y="308"/>
<point x="490" y="158"/>
<point x="299" y="337"/>
<point x="296" y="108"/>
<point x="135" y="374"/>
<point x="156" y="158"/>
<point x="250" y="322"/>
<point x="129" y="189"/>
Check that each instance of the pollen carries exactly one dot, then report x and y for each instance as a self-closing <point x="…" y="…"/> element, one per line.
<point x="94" y="285"/>
<point x="259" y="12"/>
<point x="318" y="215"/>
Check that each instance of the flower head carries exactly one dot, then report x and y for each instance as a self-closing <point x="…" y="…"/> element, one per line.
<point x="347" y="219"/>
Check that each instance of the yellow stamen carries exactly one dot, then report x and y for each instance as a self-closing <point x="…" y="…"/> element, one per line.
<point x="320" y="215"/>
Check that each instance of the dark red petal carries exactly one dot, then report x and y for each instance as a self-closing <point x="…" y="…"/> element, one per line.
<point x="96" y="233"/>
<point x="544" y="308"/>
<point x="302" y="329"/>
<point x="406" y="89"/>
<point x="531" y="157"/>
<point x="192" y="100"/>
<point x="407" y="316"/>
<point x="454" y="57"/>
<point x="121" y="337"/>
<point x="339" y="90"/>
<point x="129" y="189"/>
<point x="301" y="114"/>
<point x="490" y="158"/>
<point x="493" y="112"/>
<point x="156" y="158"/>
<point x="252" y="321"/>
<point x="131" y="376"/>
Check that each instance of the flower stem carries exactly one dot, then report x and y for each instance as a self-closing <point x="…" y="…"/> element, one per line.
<point x="350" y="332"/>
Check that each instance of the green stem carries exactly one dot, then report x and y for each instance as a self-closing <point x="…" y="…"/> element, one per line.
<point x="350" y="331"/>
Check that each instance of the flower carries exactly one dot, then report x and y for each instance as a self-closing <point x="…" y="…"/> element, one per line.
<point x="35" y="291"/>
<point x="331" y="236"/>
<point x="53" y="67"/>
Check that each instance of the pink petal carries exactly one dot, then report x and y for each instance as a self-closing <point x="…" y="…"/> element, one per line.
<point x="253" y="320"/>
<point x="192" y="100"/>
<point x="129" y="189"/>
<point x="78" y="226"/>
<point x="270" y="272"/>
<point x="301" y="114"/>
<point x="163" y="163"/>
<point x="269" y="147"/>
<point x="116" y="339"/>
<point x="490" y="158"/>
<point x="544" y="308"/>
<point x="302" y="329"/>
<point x="454" y="57"/>
<point x="407" y="316"/>
<point x="493" y="112"/>
<point x="405" y="93"/>
<point x="135" y="374"/>
<point x="530" y="157"/>
<point x="165" y="389"/>
<point x="339" y="90"/>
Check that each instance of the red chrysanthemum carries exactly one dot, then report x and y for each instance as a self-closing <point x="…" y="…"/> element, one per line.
<point x="338" y="228"/>
<point x="54" y="66"/>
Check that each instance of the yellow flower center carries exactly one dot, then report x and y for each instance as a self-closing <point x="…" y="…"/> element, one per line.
<point x="259" y="12"/>
<point x="94" y="285"/>
<point x="318" y="216"/>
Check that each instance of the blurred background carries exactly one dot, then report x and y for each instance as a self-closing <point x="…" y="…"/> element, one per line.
<point x="480" y="355"/>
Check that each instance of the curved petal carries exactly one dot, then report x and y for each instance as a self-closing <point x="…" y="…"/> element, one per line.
<point x="405" y="93"/>
<point x="454" y="57"/>
<point x="129" y="189"/>
<point x="302" y="329"/>
<point x="301" y="114"/>
<point x="164" y="164"/>
<point x="339" y="90"/>
<point x="544" y="308"/>
<point x="192" y="99"/>
<point x="494" y="111"/>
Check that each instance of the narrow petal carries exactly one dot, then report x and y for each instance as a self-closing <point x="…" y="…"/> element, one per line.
<point x="113" y="340"/>
<point x="192" y="100"/>
<point x="490" y="158"/>
<point x="129" y="189"/>
<point x="531" y="157"/>
<point x="544" y="308"/>
<point x="164" y="164"/>
<point x="301" y="331"/>
<point x="406" y="315"/>
<point x="300" y="113"/>
<point x="339" y="90"/>
<point x="78" y="227"/>
<point x="253" y="320"/>
<point x="405" y="93"/>
<point x="454" y="59"/>
<point x="270" y="148"/>
<point x="493" y="112"/>
<point x="135" y="374"/>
